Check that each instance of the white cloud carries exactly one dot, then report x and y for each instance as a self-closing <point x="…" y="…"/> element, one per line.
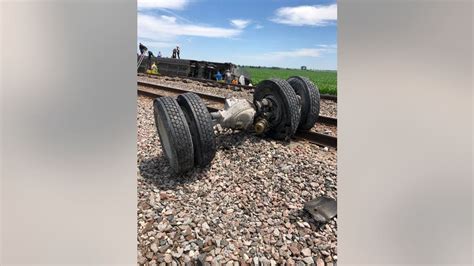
<point x="328" y="46"/>
<point x="258" y="26"/>
<point x="303" y="52"/>
<point x="240" y="23"/>
<point x="167" y="28"/>
<point x="156" y="44"/>
<point x="294" y="54"/>
<point x="312" y="57"/>
<point x="169" y="19"/>
<point x="306" y="15"/>
<point x="158" y="4"/>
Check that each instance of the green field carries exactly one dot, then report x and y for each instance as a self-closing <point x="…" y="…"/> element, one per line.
<point x="326" y="80"/>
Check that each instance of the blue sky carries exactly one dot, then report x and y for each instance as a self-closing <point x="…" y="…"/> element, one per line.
<point x="283" y="33"/>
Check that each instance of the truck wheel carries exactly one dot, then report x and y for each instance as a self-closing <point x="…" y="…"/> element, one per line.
<point x="201" y="127"/>
<point x="285" y="110"/>
<point x="309" y="94"/>
<point x="174" y="133"/>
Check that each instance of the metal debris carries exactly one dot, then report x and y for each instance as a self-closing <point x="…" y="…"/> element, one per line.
<point x="322" y="209"/>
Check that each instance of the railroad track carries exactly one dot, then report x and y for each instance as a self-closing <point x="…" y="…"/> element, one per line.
<point x="211" y="99"/>
<point x="215" y="103"/>
<point x="224" y="85"/>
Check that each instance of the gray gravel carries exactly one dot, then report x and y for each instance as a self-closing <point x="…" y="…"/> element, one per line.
<point x="328" y="108"/>
<point x="245" y="208"/>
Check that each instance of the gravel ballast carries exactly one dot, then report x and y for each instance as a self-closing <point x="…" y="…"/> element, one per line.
<point x="328" y="108"/>
<point x="245" y="208"/>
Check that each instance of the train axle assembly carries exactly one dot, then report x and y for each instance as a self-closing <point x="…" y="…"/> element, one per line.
<point x="279" y="109"/>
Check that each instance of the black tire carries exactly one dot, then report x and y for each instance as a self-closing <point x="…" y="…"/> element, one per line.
<point x="310" y="101"/>
<point x="174" y="133"/>
<point x="287" y="124"/>
<point x="201" y="127"/>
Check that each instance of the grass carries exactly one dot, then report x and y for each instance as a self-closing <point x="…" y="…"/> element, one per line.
<point x="326" y="80"/>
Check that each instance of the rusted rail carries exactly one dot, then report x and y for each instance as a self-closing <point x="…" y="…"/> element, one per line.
<point x="224" y="85"/>
<point x="215" y="99"/>
<point x="214" y="103"/>
<point x="318" y="138"/>
<point x="205" y="96"/>
<point x="327" y="120"/>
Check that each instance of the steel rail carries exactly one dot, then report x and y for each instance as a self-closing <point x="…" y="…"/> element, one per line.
<point x="314" y="137"/>
<point x="205" y="96"/>
<point x="225" y="85"/>
<point x="318" y="138"/>
<point x="219" y="99"/>
<point x="327" y="120"/>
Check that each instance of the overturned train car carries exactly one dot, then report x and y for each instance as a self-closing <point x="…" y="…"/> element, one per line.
<point x="192" y="68"/>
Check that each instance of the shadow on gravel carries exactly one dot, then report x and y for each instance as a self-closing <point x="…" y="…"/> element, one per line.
<point x="231" y="140"/>
<point x="157" y="170"/>
<point x="306" y="217"/>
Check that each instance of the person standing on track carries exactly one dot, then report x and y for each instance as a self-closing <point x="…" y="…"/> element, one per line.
<point x="177" y="52"/>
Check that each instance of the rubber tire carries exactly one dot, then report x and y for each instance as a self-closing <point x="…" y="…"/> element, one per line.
<point x="310" y="100"/>
<point x="291" y="113"/>
<point x="175" y="136"/>
<point x="201" y="127"/>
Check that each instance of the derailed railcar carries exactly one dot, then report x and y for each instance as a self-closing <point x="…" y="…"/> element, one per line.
<point x="191" y="68"/>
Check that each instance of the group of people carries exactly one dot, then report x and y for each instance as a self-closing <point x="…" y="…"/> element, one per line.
<point x="153" y="69"/>
<point x="227" y="77"/>
<point x="175" y="53"/>
<point x="143" y="49"/>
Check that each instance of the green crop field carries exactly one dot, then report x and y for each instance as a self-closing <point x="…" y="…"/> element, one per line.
<point x="326" y="80"/>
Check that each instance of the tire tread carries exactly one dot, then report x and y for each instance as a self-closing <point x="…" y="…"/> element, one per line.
<point x="203" y="140"/>
<point x="310" y="114"/>
<point x="179" y="133"/>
